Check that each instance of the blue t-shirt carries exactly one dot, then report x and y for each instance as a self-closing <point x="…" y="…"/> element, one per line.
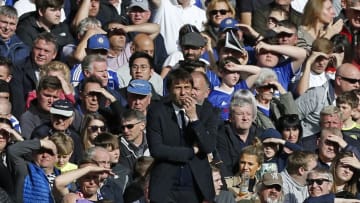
<point x="221" y="100"/>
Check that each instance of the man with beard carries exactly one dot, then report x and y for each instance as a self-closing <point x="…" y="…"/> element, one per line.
<point x="270" y="188"/>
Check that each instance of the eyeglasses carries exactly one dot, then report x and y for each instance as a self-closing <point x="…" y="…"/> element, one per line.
<point x="317" y="181"/>
<point x="129" y="126"/>
<point x="221" y="11"/>
<point x="95" y="128"/>
<point x="350" y="80"/>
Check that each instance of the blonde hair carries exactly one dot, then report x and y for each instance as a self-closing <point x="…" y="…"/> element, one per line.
<point x="212" y="4"/>
<point x="64" y="143"/>
<point x="56" y="66"/>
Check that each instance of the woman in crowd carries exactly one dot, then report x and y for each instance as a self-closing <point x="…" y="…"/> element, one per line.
<point x="290" y="128"/>
<point x="216" y="11"/>
<point x="271" y="108"/>
<point x="93" y="124"/>
<point x="318" y="22"/>
<point x="344" y="168"/>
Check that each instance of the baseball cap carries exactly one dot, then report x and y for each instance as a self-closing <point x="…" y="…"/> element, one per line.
<point x="272" y="179"/>
<point x="228" y="23"/>
<point x="143" y="4"/>
<point x="62" y="107"/>
<point x="98" y="41"/>
<point x="141" y="87"/>
<point x="270" y="133"/>
<point x="193" y="39"/>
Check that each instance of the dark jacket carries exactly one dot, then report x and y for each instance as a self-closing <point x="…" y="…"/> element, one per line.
<point x="28" y="30"/>
<point x="229" y="146"/>
<point x="14" y="49"/>
<point x="172" y="149"/>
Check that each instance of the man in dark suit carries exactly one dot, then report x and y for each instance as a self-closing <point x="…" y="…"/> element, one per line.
<point x="179" y="138"/>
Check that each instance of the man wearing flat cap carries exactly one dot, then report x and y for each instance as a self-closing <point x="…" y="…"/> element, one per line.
<point x="270" y="188"/>
<point x="61" y="118"/>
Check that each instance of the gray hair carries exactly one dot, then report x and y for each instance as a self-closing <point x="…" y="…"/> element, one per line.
<point x="242" y="98"/>
<point x="90" y="153"/>
<point x="133" y="114"/>
<point x="265" y="74"/>
<point x="84" y="24"/>
<point x="9" y="11"/>
<point x="321" y="171"/>
<point x="87" y="63"/>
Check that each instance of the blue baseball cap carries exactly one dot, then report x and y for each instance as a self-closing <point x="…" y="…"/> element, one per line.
<point x="227" y="24"/>
<point x="98" y="41"/>
<point x="270" y="133"/>
<point x="141" y="87"/>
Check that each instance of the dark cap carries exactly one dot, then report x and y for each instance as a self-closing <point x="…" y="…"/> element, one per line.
<point x="63" y="108"/>
<point x="193" y="39"/>
<point x="270" y="133"/>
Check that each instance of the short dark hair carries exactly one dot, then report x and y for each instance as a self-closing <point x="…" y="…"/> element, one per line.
<point x="227" y="60"/>
<point x="178" y="75"/>
<point x="48" y="37"/>
<point x="348" y="98"/>
<point x="106" y="139"/>
<point x="44" y="4"/>
<point x="137" y="55"/>
<point x="91" y="79"/>
<point x="4" y="86"/>
<point x="6" y="62"/>
<point x="191" y="65"/>
<point x="49" y="82"/>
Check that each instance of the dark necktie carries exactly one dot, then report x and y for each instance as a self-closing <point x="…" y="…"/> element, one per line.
<point x="183" y="121"/>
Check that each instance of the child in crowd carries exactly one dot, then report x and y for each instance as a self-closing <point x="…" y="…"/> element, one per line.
<point x="65" y="147"/>
<point x="348" y="103"/>
<point x="274" y="157"/>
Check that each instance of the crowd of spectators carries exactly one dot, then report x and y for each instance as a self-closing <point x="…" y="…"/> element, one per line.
<point x="137" y="101"/>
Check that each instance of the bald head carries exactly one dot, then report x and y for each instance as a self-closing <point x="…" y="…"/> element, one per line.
<point x="347" y="78"/>
<point x="143" y="43"/>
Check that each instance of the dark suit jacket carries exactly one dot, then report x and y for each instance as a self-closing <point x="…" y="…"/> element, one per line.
<point x="169" y="151"/>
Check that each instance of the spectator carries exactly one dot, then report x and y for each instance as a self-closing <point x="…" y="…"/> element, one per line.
<point x="11" y="46"/>
<point x="46" y="18"/>
<point x="33" y="180"/>
<point x="62" y="115"/>
<point x="295" y="174"/>
<point x="171" y="15"/>
<point x="220" y="195"/>
<point x="183" y="164"/>
<point x="8" y="136"/>
<point x="271" y="188"/>
<point x="93" y="124"/>
<point x="239" y="132"/>
<point x="270" y="108"/>
<point x="87" y="179"/>
<point x="216" y="11"/>
<point x="348" y="102"/>
<point x="314" y="26"/>
<point x="133" y="140"/>
<point x="5" y="112"/>
<point x="110" y="142"/>
<point x="94" y="99"/>
<point x="260" y="15"/>
<point x="274" y="157"/>
<point x="310" y="104"/>
<point x="229" y="71"/>
<point x="290" y="128"/>
<point x="343" y="169"/>
<point x="109" y="190"/>
<point x="319" y="183"/>
<point x="65" y="146"/>
<point x="26" y="73"/>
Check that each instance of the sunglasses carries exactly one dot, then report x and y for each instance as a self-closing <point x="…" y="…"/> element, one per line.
<point x="276" y="187"/>
<point x="95" y="128"/>
<point x="129" y="126"/>
<point x="221" y="11"/>
<point x="350" y="80"/>
<point x="268" y="87"/>
<point x="317" y="181"/>
<point x="93" y="94"/>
